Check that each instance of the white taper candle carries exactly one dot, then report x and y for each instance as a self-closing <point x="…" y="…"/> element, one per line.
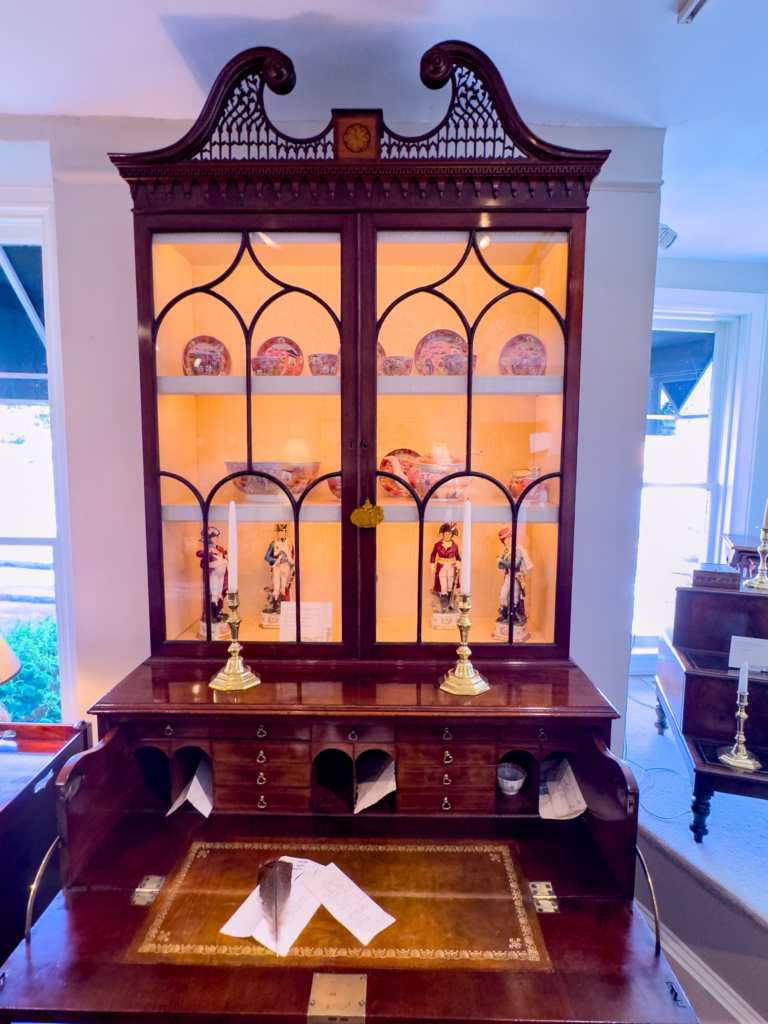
<point x="466" y="554"/>
<point x="743" y="677"/>
<point x="232" y="580"/>
<point x="765" y="517"/>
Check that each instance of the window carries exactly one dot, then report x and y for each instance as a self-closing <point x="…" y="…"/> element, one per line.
<point x="27" y="508"/>
<point x="682" y="500"/>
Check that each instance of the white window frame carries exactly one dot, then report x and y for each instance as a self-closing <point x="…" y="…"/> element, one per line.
<point x="27" y="217"/>
<point x="741" y="472"/>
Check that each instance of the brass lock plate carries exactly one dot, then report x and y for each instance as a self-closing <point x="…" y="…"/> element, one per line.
<point x="337" y="997"/>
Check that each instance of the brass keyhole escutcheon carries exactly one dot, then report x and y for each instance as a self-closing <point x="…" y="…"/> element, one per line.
<point x="447" y="757"/>
<point x="262" y="803"/>
<point x="447" y="734"/>
<point x="352" y="735"/>
<point x="446" y="780"/>
<point x="261" y="780"/>
<point x="446" y="806"/>
<point x="261" y="732"/>
<point x="261" y="757"/>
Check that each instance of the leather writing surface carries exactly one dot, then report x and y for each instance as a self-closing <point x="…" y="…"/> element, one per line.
<point x="456" y="905"/>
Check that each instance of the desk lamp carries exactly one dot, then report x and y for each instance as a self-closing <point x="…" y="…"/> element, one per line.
<point x="10" y="666"/>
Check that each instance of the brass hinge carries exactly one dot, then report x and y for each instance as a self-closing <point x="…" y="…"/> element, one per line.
<point x="147" y="890"/>
<point x="544" y="898"/>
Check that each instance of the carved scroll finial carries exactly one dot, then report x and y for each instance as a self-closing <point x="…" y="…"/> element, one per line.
<point x="279" y="73"/>
<point x="436" y="68"/>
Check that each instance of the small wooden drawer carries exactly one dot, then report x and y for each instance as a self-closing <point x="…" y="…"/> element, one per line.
<point x="254" y="753"/>
<point x="435" y="754"/>
<point x="266" y="777"/>
<point x="257" y="729"/>
<point x="522" y="736"/>
<point x="429" y="801"/>
<point x="171" y="728"/>
<point x="461" y="777"/>
<point x="251" y="799"/>
<point x="352" y="732"/>
<point x="445" y="731"/>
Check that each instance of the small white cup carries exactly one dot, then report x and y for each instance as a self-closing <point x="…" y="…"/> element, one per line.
<point x="510" y="778"/>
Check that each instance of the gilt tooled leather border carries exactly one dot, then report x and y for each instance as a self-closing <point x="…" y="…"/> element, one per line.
<point x="157" y="940"/>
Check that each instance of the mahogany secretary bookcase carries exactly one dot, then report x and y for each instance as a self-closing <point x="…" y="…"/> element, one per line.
<point x="354" y="317"/>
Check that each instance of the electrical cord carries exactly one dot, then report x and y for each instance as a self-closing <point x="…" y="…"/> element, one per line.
<point x="647" y="771"/>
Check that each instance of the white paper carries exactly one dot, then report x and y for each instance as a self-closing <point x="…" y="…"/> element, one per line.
<point x="198" y="791"/>
<point x="559" y="793"/>
<point x="751" y="649"/>
<point x="375" y="779"/>
<point x="249" y="919"/>
<point x="540" y="442"/>
<point x="298" y="911"/>
<point x="348" y="903"/>
<point x="316" y="621"/>
<point x="246" y="918"/>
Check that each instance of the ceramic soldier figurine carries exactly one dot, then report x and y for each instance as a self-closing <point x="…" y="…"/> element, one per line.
<point x="444" y="563"/>
<point x="280" y="556"/>
<point x="218" y="579"/>
<point x="523" y="566"/>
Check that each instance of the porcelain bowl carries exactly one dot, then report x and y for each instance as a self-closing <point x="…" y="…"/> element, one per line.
<point x="510" y="778"/>
<point x="425" y="472"/>
<point x="267" y="366"/>
<point x="297" y="476"/>
<point x="324" y="364"/>
<point x="395" y="366"/>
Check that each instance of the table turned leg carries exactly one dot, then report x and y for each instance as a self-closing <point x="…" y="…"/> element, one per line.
<point x="700" y="805"/>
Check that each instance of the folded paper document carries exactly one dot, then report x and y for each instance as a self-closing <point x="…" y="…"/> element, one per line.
<point x="559" y="793"/>
<point x="275" y="916"/>
<point x="198" y="791"/>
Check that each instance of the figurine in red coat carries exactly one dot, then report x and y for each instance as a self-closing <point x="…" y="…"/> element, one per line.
<point x="444" y="562"/>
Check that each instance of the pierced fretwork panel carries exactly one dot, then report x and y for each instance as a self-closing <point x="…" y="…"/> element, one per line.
<point x="472" y="129"/>
<point x="244" y="132"/>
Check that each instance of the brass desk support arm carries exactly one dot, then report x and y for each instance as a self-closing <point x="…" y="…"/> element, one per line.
<point x="35" y="886"/>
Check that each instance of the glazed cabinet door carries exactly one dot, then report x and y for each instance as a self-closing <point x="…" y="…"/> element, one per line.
<point x="470" y="340"/>
<point x="251" y="352"/>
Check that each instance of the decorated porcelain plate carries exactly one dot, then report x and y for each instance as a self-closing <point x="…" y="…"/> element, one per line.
<point x="397" y="461"/>
<point x="287" y="351"/>
<point x="433" y="348"/>
<point x="205" y="356"/>
<point x="523" y="356"/>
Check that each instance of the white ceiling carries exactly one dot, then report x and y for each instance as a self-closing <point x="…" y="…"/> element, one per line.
<point x="576" y="62"/>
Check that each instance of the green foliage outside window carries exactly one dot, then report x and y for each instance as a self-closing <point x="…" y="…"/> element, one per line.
<point x="33" y="696"/>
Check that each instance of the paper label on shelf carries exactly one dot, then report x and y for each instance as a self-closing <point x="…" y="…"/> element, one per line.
<point x="559" y="793"/>
<point x="348" y="903"/>
<point x="748" y="648"/>
<point x="198" y="791"/>
<point x="316" y="621"/>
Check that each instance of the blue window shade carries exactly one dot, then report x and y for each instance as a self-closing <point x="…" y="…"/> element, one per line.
<point x="21" y="350"/>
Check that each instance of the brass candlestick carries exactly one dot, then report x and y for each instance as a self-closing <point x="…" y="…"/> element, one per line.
<point x="235" y="675"/>
<point x="738" y="756"/>
<point x="462" y="678"/>
<point x="760" y="581"/>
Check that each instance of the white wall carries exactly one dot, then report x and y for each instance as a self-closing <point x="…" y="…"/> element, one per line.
<point x="622" y="236"/>
<point x="101" y="390"/>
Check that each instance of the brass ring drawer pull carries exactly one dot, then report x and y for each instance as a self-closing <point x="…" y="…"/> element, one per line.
<point x="542" y="737"/>
<point x="447" y="734"/>
<point x="261" y="732"/>
<point x="352" y="735"/>
<point x="262" y="803"/>
<point x="446" y="780"/>
<point x="169" y="730"/>
<point x="261" y="779"/>
<point x="261" y="757"/>
<point x="447" y="757"/>
<point x="446" y="804"/>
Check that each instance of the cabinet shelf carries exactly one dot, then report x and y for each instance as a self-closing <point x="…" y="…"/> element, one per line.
<point x="492" y="384"/>
<point x="413" y="385"/>
<point x="330" y="512"/>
